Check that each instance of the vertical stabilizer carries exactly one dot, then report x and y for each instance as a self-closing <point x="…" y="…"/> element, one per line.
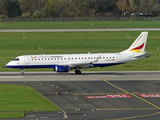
<point x="139" y="44"/>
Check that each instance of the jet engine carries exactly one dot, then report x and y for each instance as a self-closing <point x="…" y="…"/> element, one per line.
<point x="62" y="68"/>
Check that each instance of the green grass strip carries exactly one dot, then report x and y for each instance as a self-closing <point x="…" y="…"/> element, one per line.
<point x="16" y="98"/>
<point x="79" y="24"/>
<point x="11" y="115"/>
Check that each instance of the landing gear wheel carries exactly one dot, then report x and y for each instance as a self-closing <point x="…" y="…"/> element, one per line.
<point x="77" y="71"/>
<point x="22" y="71"/>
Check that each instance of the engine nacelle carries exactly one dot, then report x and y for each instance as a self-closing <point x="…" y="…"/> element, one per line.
<point x="62" y="68"/>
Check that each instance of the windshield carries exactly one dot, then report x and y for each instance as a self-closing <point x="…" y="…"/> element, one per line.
<point x="15" y="59"/>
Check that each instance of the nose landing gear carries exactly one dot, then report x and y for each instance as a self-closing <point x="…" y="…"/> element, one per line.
<point x="22" y="71"/>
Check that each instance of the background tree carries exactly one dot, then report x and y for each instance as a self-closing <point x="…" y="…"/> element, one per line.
<point x="123" y="5"/>
<point x="76" y="8"/>
<point x="11" y="8"/>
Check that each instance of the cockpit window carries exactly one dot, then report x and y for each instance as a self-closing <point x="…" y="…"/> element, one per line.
<point x="15" y="59"/>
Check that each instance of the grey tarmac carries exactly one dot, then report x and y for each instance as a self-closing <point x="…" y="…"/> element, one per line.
<point x="79" y="30"/>
<point x="85" y="76"/>
<point x="92" y="95"/>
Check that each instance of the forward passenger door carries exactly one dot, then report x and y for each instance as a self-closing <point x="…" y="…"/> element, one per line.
<point x="26" y="60"/>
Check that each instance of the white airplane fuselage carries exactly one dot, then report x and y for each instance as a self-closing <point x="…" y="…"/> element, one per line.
<point x="67" y="62"/>
<point x="87" y="60"/>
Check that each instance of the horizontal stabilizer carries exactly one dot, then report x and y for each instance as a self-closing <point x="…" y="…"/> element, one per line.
<point x="144" y="55"/>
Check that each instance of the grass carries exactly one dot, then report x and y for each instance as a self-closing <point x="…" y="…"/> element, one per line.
<point x="79" y="24"/>
<point x="13" y="44"/>
<point x="61" y="41"/>
<point x="7" y="115"/>
<point x="22" y="99"/>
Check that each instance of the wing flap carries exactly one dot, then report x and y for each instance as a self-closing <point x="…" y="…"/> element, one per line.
<point x="82" y="65"/>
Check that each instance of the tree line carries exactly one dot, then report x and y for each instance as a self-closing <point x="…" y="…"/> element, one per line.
<point x="75" y="8"/>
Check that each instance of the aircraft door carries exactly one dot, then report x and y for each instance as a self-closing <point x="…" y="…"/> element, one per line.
<point x="118" y="57"/>
<point x="26" y="60"/>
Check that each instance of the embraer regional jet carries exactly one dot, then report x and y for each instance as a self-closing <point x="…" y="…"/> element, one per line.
<point x="67" y="62"/>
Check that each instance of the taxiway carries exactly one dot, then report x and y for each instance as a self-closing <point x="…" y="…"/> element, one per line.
<point x="94" y="95"/>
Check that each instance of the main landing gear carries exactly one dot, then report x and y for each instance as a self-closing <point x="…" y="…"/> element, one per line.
<point x="22" y="71"/>
<point x="77" y="71"/>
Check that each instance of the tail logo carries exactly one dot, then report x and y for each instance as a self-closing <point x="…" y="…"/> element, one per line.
<point x="137" y="49"/>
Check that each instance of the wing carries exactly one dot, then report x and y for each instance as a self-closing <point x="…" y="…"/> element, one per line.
<point x="83" y="65"/>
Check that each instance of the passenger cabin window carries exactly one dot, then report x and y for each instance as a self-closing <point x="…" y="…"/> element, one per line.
<point x="15" y="59"/>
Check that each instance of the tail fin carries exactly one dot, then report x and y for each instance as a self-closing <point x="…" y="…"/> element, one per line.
<point x="139" y="44"/>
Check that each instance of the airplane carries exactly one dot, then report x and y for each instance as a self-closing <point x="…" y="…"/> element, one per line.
<point x="67" y="62"/>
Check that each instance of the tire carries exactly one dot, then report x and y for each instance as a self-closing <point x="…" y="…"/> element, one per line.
<point x="77" y="71"/>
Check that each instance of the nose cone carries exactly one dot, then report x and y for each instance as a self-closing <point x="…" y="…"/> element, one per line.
<point x="8" y="64"/>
